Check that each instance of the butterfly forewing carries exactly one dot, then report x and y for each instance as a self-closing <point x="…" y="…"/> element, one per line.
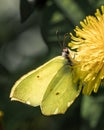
<point x="31" y="87"/>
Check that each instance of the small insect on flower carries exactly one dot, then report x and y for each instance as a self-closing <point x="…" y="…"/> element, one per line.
<point x="89" y="43"/>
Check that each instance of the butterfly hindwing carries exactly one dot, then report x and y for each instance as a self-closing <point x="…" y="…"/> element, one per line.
<point x="61" y="92"/>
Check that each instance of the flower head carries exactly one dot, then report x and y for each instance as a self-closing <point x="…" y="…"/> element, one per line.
<point x="89" y="45"/>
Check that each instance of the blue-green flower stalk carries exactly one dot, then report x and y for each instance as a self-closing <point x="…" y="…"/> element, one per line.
<point x="88" y="41"/>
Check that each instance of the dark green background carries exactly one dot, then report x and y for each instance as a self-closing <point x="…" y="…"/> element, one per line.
<point x="27" y="40"/>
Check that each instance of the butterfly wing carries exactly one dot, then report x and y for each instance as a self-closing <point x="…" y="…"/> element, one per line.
<point x="61" y="92"/>
<point x="31" y="87"/>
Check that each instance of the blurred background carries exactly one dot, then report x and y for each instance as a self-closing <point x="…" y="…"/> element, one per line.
<point x="27" y="40"/>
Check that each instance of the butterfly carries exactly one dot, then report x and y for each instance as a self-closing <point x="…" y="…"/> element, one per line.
<point x="51" y="86"/>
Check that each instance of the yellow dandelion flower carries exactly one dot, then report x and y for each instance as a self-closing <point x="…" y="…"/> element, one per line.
<point x="89" y="44"/>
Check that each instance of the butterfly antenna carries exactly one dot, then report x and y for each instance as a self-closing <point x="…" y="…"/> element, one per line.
<point x="65" y="38"/>
<point x="58" y="37"/>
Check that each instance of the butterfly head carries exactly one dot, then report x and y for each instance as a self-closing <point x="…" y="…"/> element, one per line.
<point x="66" y="54"/>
